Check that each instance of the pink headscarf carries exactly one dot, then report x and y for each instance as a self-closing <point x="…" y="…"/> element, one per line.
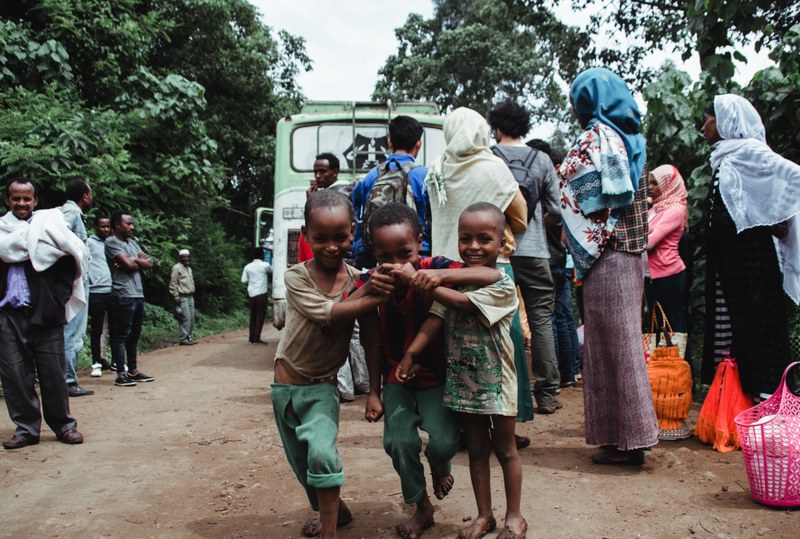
<point x="673" y="190"/>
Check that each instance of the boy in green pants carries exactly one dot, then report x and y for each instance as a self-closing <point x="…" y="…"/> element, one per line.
<point x="417" y="404"/>
<point x="319" y="323"/>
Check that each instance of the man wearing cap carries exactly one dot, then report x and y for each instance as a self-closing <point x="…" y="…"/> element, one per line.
<point x="181" y="286"/>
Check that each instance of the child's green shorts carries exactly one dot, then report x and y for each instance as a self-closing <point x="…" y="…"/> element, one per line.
<point x="307" y="418"/>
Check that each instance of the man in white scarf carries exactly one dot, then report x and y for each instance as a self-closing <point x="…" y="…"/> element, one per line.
<point x="40" y="290"/>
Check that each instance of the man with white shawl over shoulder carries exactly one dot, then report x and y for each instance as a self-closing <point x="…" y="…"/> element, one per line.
<point x="40" y="290"/>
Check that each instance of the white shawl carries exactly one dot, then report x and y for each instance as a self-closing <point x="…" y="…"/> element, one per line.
<point x="758" y="186"/>
<point x="467" y="172"/>
<point x="43" y="241"/>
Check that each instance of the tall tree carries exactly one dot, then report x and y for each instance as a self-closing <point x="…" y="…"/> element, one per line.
<point x="706" y="27"/>
<point x="473" y="53"/>
<point x="168" y="108"/>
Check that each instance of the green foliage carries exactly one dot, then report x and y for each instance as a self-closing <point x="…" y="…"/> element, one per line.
<point x="168" y="109"/>
<point x="475" y="53"/>
<point x="28" y="61"/>
<point x="705" y="27"/>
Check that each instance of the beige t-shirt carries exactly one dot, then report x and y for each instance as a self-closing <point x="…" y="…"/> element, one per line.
<point x="309" y="344"/>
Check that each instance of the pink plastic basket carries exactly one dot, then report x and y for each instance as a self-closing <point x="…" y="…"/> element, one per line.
<point x="770" y="436"/>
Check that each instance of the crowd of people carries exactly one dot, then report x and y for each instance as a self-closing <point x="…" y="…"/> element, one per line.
<point x="455" y="255"/>
<point x="54" y="279"/>
<point x="438" y="291"/>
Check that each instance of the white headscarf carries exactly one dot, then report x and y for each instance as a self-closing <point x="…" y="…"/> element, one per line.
<point x="467" y="172"/>
<point x="758" y="186"/>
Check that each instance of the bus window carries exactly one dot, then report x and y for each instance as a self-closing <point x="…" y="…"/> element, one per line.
<point x="433" y="145"/>
<point x="369" y="147"/>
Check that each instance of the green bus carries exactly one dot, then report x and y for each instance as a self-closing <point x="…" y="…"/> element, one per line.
<point x="355" y="132"/>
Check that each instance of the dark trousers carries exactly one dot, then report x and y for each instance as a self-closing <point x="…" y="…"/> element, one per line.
<point x="258" y="313"/>
<point x="566" y="334"/>
<point x="99" y="306"/>
<point x="28" y="350"/>
<point x="669" y="292"/>
<point x="127" y="317"/>
<point x="532" y="275"/>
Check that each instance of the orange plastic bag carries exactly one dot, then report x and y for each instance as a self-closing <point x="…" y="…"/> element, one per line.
<point x="671" y="382"/>
<point x="725" y="400"/>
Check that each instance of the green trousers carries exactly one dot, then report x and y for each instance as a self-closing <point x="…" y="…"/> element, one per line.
<point x="308" y="423"/>
<point x="407" y="410"/>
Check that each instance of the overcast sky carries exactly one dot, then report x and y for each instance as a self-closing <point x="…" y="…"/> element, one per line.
<point x="349" y="40"/>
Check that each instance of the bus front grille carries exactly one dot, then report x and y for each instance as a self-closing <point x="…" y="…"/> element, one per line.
<point x="293" y="247"/>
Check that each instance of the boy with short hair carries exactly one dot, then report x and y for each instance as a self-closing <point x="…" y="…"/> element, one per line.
<point x="481" y="381"/>
<point x="396" y="240"/>
<point x="319" y="323"/>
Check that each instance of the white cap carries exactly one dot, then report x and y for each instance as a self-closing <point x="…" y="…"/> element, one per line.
<point x="183" y="252"/>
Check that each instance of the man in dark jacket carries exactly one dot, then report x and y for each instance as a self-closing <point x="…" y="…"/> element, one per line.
<point x="33" y="311"/>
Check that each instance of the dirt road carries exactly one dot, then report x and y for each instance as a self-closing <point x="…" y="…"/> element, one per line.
<point x="196" y="454"/>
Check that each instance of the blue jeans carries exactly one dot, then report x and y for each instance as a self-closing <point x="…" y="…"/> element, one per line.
<point x="74" y="332"/>
<point x="566" y="334"/>
<point x="127" y="317"/>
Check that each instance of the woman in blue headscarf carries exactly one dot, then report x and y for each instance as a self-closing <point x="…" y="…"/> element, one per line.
<point x="605" y="218"/>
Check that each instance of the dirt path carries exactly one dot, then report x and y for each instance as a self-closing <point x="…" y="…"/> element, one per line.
<point x="196" y="454"/>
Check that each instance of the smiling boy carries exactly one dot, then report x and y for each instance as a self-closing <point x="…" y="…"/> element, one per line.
<point x="416" y="404"/>
<point x="319" y="323"/>
<point x="481" y="382"/>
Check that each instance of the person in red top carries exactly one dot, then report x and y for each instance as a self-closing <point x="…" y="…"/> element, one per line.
<point x="666" y="220"/>
<point x="416" y="404"/>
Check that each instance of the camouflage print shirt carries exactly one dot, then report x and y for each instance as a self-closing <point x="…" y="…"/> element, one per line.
<point x="481" y="377"/>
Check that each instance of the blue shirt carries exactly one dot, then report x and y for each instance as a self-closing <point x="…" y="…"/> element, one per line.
<point x="416" y="178"/>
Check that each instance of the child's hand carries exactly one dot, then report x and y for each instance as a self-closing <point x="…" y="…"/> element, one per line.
<point x="406" y="370"/>
<point x="404" y="273"/>
<point x="374" y="410"/>
<point x="426" y="280"/>
<point x="381" y="282"/>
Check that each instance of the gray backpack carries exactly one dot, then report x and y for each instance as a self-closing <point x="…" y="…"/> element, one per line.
<point x="521" y="169"/>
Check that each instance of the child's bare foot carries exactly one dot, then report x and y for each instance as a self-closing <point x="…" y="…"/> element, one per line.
<point x="313" y="527"/>
<point x="514" y="529"/>
<point x="421" y="520"/>
<point x="441" y="484"/>
<point x="479" y="527"/>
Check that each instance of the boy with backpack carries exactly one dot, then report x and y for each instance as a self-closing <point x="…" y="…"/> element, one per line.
<point x="398" y="179"/>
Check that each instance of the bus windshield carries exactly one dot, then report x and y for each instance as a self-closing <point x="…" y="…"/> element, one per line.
<point x="359" y="147"/>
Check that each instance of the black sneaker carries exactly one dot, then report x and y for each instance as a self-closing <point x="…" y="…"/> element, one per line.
<point x="140" y="377"/>
<point x="124" y="380"/>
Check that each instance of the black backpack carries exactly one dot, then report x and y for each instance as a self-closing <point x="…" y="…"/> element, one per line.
<point x="521" y="169"/>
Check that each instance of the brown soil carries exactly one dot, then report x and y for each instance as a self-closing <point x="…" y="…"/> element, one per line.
<point x="196" y="454"/>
